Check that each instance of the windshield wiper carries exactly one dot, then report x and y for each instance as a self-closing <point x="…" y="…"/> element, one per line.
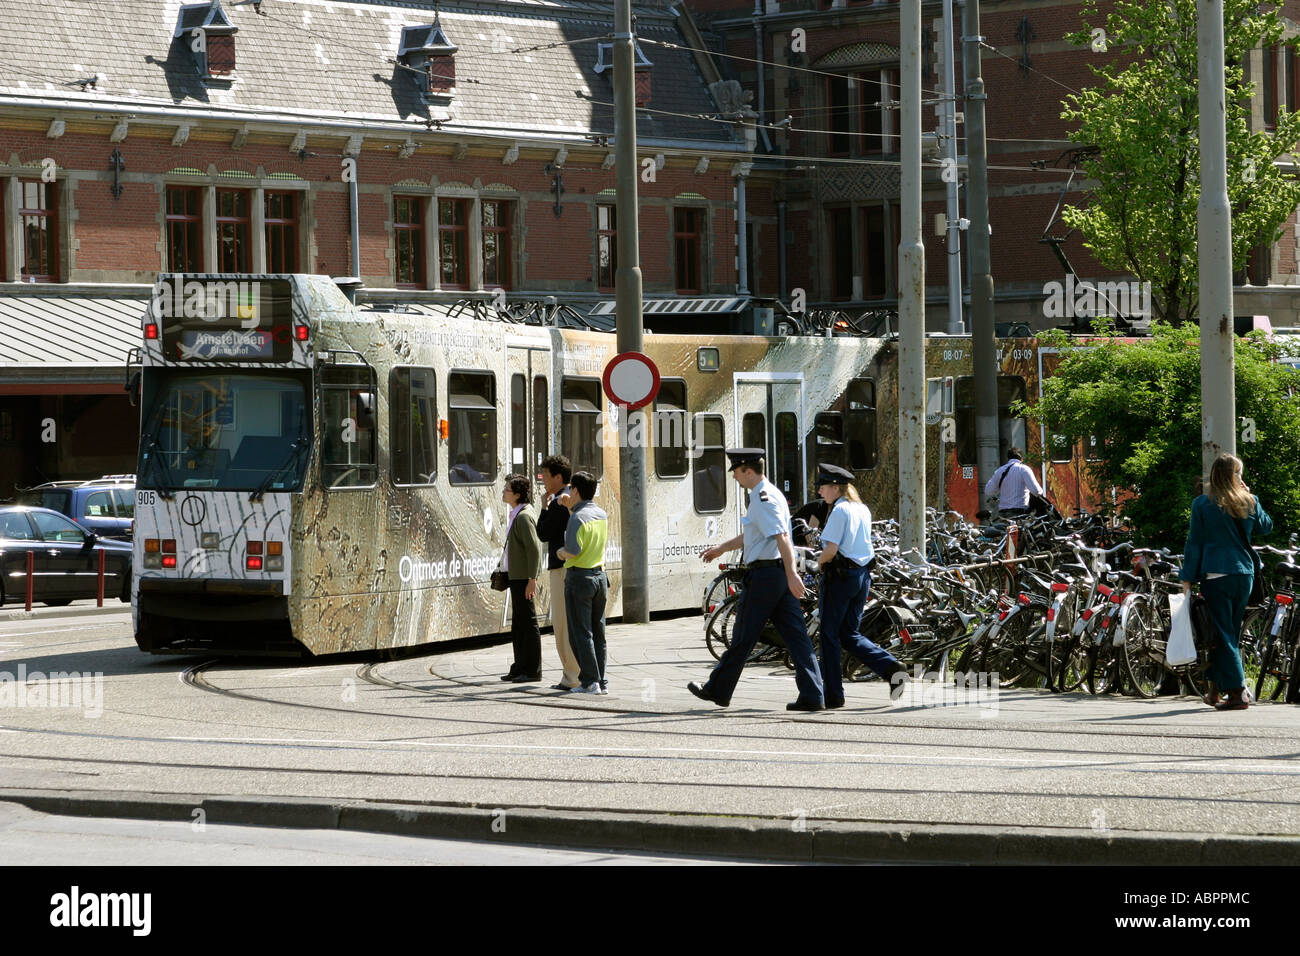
<point x="164" y="469"/>
<point x="298" y="444"/>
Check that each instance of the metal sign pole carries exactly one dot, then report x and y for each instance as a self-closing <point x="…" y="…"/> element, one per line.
<point x="627" y="286"/>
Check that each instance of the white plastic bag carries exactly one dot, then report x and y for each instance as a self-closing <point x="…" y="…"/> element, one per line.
<point x="1182" y="646"/>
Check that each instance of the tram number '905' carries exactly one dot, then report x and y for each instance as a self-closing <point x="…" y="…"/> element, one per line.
<point x="145" y="497"/>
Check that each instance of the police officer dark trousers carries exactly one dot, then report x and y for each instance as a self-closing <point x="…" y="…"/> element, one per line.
<point x="772" y="588"/>
<point x="845" y="584"/>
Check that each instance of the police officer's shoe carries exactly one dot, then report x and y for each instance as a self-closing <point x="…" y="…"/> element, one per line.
<point x="698" y="691"/>
<point x="806" y="705"/>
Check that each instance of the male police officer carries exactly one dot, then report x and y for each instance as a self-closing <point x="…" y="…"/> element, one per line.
<point x="772" y="589"/>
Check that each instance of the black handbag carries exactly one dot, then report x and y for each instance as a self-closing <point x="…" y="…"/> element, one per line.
<point x="1257" y="582"/>
<point x="500" y="580"/>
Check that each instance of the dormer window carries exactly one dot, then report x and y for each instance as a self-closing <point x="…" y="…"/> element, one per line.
<point x="640" y="64"/>
<point x="208" y="32"/>
<point x="427" y="49"/>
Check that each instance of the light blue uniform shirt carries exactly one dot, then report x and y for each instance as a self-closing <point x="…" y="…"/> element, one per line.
<point x="849" y="528"/>
<point x="768" y="516"/>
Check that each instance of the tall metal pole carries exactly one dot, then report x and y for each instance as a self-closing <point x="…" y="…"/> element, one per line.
<point x="911" y="293"/>
<point x="983" y="348"/>
<point x="1214" y="246"/>
<point x="948" y="119"/>
<point x="627" y="296"/>
<point x="742" y="240"/>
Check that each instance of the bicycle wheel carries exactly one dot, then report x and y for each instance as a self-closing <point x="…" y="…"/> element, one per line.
<point x="1105" y="668"/>
<point x="721" y="626"/>
<point x="1274" y="671"/>
<point x="717" y="591"/>
<point x="1008" y="655"/>
<point x="1145" y="638"/>
<point x="1070" y="668"/>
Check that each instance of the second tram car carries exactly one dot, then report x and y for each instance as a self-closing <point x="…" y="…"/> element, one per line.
<point x="318" y="478"/>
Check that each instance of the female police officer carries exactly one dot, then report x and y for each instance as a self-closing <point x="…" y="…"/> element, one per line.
<point x="771" y="592"/>
<point x="846" y="581"/>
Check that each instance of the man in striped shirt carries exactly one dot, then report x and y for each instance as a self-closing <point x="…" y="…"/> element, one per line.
<point x="585" y="586"/>
<point x="1011" y="484"/>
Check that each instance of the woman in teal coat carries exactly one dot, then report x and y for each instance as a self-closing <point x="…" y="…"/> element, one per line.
<point x="1218" y="556"/>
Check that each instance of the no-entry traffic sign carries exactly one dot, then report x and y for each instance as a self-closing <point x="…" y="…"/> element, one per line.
<point x="631" y="380"/>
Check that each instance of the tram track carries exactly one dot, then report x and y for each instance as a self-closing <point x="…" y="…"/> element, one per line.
<point x="366" y="672"/>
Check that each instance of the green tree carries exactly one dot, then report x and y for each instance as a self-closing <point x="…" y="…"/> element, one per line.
<point x="1142" y="401"/>
<point x="1142" y="121"/>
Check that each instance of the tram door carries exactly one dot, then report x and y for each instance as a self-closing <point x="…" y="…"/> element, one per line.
<point x="529" y="438"/>
<point x="769" y="415"/>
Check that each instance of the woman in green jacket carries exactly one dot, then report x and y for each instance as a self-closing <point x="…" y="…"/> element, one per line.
<point x="1218" y="556"/>
<point x="522" y="561"/>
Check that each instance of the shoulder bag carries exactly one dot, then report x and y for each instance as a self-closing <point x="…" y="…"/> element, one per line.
<point x="1257" y="582"/>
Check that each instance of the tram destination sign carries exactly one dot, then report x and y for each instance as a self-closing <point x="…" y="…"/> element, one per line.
<point x="240" y="320"/>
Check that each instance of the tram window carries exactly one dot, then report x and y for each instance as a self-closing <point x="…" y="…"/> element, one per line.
<point x="860" y="424"/>
<point x="518" y="422"/>
<point x="472" y="441"/>
<point x="753" y="432"/>
<point x="348" y="409"/>
<point x="580" y="422"/>
<point x="413" y="425"/>
<point x="541" y="421"/>
<point x="1011" y="431"/>
<point x="828" y="429"/>
<point x="710" y="465"/>
<point x="670" y="429"/>
<point x="788" y="462"/>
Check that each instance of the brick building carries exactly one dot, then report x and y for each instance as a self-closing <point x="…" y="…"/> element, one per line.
<point x="836" y="185"/>
<point x="147" y="136"/>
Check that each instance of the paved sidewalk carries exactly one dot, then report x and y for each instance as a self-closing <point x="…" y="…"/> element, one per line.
<point x="436" y="745"/>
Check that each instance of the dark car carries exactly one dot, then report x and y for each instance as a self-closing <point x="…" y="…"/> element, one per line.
<point x="105" y="505"/>
<point x="65" y="558"/>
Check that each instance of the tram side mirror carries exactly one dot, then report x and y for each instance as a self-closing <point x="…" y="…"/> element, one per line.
<point x="132" y="389"/>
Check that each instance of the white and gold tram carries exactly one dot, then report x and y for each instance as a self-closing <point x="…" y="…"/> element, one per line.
<point x="320" y="478"/>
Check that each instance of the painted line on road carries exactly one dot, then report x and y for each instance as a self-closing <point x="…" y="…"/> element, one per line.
<point x="724" y="752"/>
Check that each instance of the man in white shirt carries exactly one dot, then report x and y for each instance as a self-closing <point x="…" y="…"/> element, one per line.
<point x="1011" y="485"/>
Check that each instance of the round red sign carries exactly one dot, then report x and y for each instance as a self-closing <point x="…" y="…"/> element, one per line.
<point x="631" y="380"/>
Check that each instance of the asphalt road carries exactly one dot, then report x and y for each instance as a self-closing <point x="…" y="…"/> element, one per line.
<point x="442" y="731"/>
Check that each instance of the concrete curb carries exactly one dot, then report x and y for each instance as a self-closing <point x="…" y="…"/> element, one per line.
<point x="40" y="613"/>
<point x="708" y="836"/>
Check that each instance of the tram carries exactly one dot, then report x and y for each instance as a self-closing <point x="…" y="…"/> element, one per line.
<point x="319" y="478"/>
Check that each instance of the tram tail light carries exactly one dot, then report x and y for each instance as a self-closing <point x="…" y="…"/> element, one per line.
<point x="253" y="562"/>
<point x="169" y="560"/>
<point x="301" y="332"/>
<point x="169" y="546"/>
<point x="151" y="330"/>
<point x="254" y="547"/>
<point x="444" y="429"/>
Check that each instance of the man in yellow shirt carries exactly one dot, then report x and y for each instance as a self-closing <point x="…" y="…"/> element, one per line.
<point x="586" y="588"/>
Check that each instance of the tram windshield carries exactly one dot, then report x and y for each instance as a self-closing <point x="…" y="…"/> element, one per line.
<point x="237" y="432"/>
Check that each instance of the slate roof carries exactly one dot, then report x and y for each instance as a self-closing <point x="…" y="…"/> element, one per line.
<point x="69" y="338"/>
<point x="331" y="60"/>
